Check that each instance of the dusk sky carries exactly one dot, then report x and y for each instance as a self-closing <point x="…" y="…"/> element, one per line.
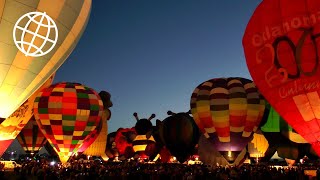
<point x="151" y="54"/>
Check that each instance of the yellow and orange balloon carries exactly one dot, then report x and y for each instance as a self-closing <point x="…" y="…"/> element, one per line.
<point x="21" y="75"/>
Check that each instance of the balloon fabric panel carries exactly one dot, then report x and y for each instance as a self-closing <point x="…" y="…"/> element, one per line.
<point x="23" y="75"/>
<point x="226" y="105"/>
<point x="281" y="45"/>
<point x="66" y="132"/>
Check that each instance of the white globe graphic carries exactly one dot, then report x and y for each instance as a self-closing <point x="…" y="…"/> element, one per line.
<point x="35" y="34"/>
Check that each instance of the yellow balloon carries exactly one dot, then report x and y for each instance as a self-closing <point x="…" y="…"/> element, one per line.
<point x="98" y="147"/>
<point x="12" y="126"/>
<point x="21" y="75"/>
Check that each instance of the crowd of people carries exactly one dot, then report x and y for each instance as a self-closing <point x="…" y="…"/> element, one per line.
<point x="142" y="171"/>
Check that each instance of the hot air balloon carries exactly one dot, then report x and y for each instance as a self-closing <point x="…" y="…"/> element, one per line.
<point x="22" y="72"/>
<point x="227" y="111"/>
<point x="31" y="138"/>
<point x="66" y="114"/>
<point x="123" y="140"/>
<point x="11" y="126"/>
<point x="97" y="148"/>
<point x="180" y="135"/>
<point x="144" y="136"/>
<point x="281" y="45"/>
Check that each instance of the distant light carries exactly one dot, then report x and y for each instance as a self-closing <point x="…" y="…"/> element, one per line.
<point x="52" y="163"/>
<point x="174" y="158"/>
<point x="196" y="159"/>
<point x="229" y="154"/>
<point x="12" y="153"/>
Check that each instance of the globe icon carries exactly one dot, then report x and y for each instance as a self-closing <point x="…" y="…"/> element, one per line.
<point x="35" y="34"/>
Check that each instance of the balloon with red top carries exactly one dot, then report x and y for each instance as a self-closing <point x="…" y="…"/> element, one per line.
<point x="281" y="46"/>
<point x="66" y="114"/>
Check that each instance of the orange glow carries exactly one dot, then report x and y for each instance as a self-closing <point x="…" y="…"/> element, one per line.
<point x="11" y="126"/>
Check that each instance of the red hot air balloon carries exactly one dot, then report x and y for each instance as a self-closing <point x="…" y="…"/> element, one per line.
<point x="123" y="139"/>
<point x="66" y="114"/>
<point x="281" y="45"/>
<point x="227" y="111"/>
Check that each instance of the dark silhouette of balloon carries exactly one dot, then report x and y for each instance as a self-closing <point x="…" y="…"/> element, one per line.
<point x="180" y="134"/>
<point x="281" y="46"/>
<point x="111" y="149"/>
<point x="227" y="111"/>
<point x="165" y="155"/>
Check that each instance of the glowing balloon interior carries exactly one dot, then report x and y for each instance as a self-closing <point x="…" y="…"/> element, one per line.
<point x="281" y="45"/>
<point x="21" y="75"/>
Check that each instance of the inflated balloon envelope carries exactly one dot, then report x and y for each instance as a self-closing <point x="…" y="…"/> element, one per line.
<point x="22" y="75"/>
<point x="11" y="126"/>
<point x="281" y="45"/>
<point x="67" y="113"/>
<point x="227" y="111"/>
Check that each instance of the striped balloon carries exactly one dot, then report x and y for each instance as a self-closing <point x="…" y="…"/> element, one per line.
<point x="227" y="111"/>
<point x="31" y="138"/>
<point x="140" y="144"/>
<point x="66" y="114"/>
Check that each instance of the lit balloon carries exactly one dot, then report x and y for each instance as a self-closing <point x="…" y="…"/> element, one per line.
<point x="281" y="45"/>
<point x="31" y="138"/>
<point x="282" y="138"/>
<point x="123" y="139"/>
<point x="208" y="154"/>
<point x="144" y="136"/>
<point x="90" y="138"/>
<point x="11" y="126"/>
<point x="227" y="111"/>
<point x="66" y="114"/>
<point x="258" y="146"/>
<point x="21" y="75"/>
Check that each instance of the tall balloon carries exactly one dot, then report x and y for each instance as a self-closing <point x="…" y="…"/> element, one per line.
<point x="31" y="138"/>
<point x="21" y="73"/>
<point x="66" y="114"/>
<point x="11" y="126"/>
<point x="281" y="45"/>
<point x="227" y="111"/>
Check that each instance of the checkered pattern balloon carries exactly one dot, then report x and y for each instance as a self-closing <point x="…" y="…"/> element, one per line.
<point x="66" y="114"/>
